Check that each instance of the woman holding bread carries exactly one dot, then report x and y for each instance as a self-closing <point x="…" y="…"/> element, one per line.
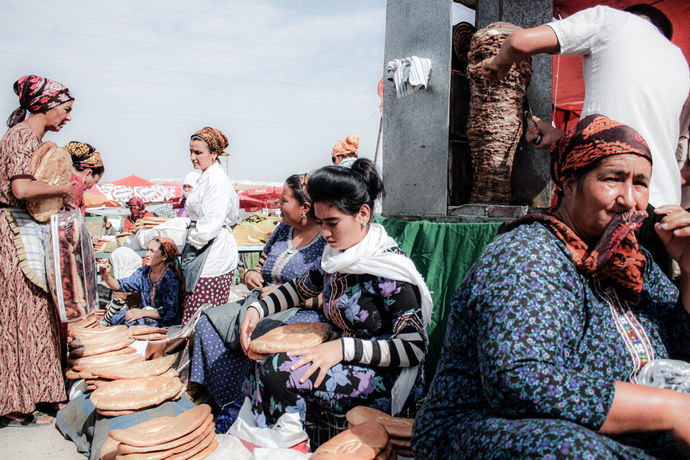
<point x="210" y="256"/>
<point x="374" y="299"/>
<point x="294" y="248"/>
<point x="30" y="371"/>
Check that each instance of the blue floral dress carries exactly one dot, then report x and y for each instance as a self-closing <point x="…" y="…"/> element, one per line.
<point x="532" y="352"/>
<point x="222" y="370"/>
<point x="164" y="296"/>
<point x="380" y="323"/>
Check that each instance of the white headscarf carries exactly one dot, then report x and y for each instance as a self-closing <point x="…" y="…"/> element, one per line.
<point x="190" y="179"/>
<point x="369" y="256"/>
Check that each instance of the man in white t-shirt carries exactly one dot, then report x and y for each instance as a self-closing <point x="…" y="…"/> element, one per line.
<point x="633" y="74"/>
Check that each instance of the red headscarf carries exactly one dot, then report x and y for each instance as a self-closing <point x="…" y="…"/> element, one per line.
<point x="616" y="258"/>
<point x="37" y="94"/>
<point x="136" y="207"/>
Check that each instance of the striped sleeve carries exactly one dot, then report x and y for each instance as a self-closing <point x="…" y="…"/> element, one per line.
<point x="406" y="347"/>
<point x="291" y="294"/>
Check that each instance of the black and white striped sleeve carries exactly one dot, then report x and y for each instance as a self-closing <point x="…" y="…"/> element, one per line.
<point x="406" y="347"/>
<point x="290" y="294"/>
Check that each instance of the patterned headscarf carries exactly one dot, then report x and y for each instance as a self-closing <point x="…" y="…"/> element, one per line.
<point x="216" y="140"/>
<point x="615" y="258"/>
<point x="84" y="155"/>
<point x="303" y="182"/>
<point x="168" y="247"/>
<point x="37" y="94"/>
<point x="136" y="207"/>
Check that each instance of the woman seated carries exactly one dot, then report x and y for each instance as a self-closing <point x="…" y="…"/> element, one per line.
<point x="159" y="284"/>
<point x="373" y="297"/>
<point x="551" y="326"/>
<point x="294" y="248"/>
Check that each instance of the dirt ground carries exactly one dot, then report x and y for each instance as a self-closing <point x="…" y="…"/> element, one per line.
<point x="36" y="443"/>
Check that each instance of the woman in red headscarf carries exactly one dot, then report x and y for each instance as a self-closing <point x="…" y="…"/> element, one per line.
<point x="137" y="210"/>
<point x="551" y="328"/>
<point x="30" y="371"/>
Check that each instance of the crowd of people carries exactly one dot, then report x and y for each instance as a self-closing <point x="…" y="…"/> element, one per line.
<point x="547" y="333"/>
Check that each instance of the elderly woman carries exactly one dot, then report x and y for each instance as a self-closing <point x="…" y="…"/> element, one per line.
<point x="187" y="186"/>
<point x="373" y="297"/>
<point x="294" y="248"/>
<point x="553" y="323"/>
<point x="137" y="210"/>
<point x="30" y="370"/>
<point x="88" y="170"/>
<point x="210" y="256"/>
<point x="159" y="283"/>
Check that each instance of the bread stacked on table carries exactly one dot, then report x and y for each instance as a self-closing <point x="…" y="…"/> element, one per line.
<point x="399" y="429"/>
<point x="190" y="435"/>
<point x="149" y="222"/>
<point x="121" y="380"/>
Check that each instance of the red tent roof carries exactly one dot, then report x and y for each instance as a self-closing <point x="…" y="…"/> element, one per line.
<point x="133" y="181"/>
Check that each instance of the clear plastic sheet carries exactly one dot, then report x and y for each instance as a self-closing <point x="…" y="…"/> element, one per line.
<point x="71" y="266"/>
<point x="670" y="374"/>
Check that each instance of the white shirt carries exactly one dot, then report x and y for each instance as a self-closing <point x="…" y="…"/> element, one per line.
<point x="214" y="205"/>
<point x="633" y="75"/>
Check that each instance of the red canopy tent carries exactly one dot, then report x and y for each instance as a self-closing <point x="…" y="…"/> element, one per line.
<point x="255" y="199"/>
<point x="568" y="82"/>
<point x="123" y="189"/>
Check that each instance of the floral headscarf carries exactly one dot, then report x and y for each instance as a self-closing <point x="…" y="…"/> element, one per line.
<point x="216" y="140"/>
<point x="84" y="155"/>
<point x="616" y="258"/>
<point x="346" y="146"/>
<point x="37" y="94"/>
<point x="136" y="207"/>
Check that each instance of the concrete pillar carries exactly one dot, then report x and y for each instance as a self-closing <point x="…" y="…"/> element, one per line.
<point x="531" y="177"/>
<point x="415" y="128"/>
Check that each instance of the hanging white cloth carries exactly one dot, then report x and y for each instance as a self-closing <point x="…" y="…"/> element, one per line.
<point x="409" y="74"/>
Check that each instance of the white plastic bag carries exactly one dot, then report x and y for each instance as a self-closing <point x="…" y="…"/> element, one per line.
<point x="670" y="374"/>
<point x="287" y="433"/>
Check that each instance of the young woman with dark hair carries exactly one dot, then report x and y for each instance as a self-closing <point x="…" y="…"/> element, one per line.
<point x="373" y="297"/>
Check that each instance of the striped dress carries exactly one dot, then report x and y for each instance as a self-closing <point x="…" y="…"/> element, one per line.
<point x="379" y="321"/>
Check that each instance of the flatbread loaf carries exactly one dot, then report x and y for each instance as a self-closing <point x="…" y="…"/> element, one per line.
<point x="52" y="165"/>
<point x="134" y="394"/>
<point x="194" y="434"/>
<point x="395" y="426"/>
<point x="364" y="441"/>
<point x="135" y="370"/>
<point x="291" y="337"/>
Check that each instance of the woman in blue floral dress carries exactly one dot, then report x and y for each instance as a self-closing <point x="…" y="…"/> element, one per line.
<point x="294" y="248"/>
<point x="553" y="323"/>
<point x="373" y="297"/>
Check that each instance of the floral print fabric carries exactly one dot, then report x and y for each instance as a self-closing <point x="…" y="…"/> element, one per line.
<point x="532" y="353"/>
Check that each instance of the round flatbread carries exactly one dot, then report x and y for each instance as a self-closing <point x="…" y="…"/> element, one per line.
<point x="291" y="337"/>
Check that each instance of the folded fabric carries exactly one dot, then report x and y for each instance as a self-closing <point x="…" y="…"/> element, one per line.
<point x="409" y="74"/>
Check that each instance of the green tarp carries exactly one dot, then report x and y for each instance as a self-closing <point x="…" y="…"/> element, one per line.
<point x="443" y="253"/>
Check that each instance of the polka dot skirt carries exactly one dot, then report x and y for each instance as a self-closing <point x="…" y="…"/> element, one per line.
<point x="214" y="290"/>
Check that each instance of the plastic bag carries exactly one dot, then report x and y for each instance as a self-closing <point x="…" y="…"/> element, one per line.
<point x="287" y="433"/>
<point x="71" y="266"/>
<point x="670" y="374"/>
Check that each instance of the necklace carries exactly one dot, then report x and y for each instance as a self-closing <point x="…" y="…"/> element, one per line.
<point x="154" y="284"/>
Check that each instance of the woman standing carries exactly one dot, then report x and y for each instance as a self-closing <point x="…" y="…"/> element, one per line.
<point x="88" y="170"/>
<point x="137" y="210"/>
<point x="210" y="255"/>
<point x="374" y="298"/>
<point x="30" y="371"/>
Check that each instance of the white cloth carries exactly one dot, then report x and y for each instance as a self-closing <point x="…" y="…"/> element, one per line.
<point x="633" y="75"/>
<point x="370" y="256"/>
<point x="409" y="74"/>
<point x="190" y="179"/>
<point x="125" y="262"/>
<point x="214" y="205"/>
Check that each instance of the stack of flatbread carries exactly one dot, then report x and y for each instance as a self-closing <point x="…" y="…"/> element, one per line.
<point x="52" y="165"/>
<point x="295" y="336"/>
<point x="399" y="429"/>
<point x="190" y="435"/>
<point x="149" y="222"/>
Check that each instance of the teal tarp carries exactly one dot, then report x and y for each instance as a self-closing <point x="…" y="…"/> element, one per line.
<point x="443" y="253"/>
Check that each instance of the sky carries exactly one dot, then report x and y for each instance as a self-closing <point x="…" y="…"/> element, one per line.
<point x="284" y="80"/>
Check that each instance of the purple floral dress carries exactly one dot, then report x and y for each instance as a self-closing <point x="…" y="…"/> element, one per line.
<point x="380" y="322"/>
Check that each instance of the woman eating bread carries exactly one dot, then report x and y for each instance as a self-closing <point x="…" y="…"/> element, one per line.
<point x="374" y="299"/>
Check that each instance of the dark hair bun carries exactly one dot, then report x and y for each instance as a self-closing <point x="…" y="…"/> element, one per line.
<point x="348" y="189"/>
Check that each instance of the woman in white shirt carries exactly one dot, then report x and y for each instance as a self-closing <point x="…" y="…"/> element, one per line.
<point x="210" y="255"/>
